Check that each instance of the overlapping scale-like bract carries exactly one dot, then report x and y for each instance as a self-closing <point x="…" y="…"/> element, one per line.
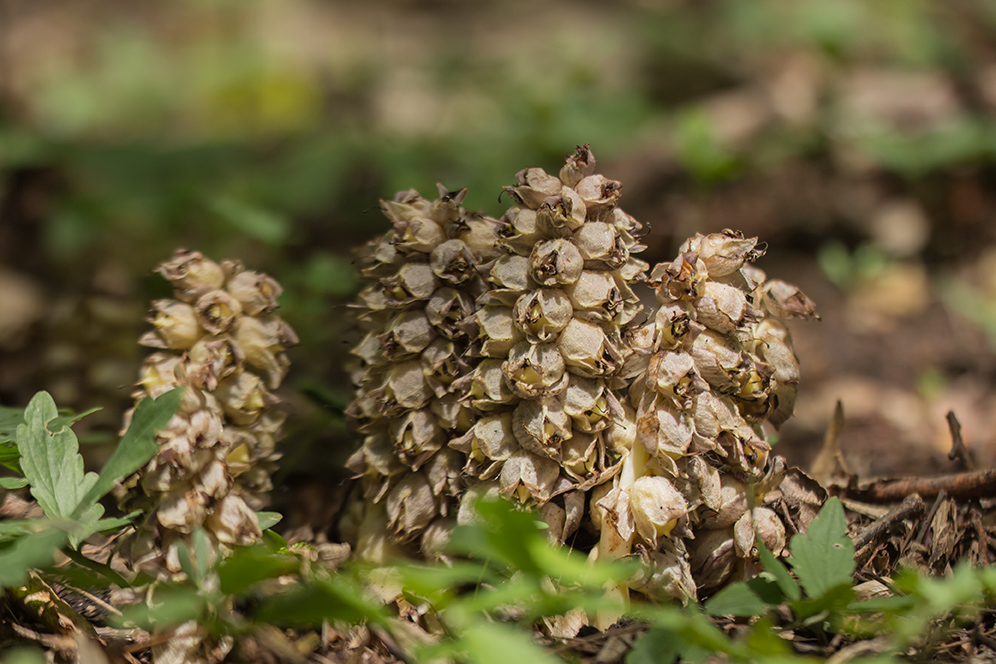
<point x="219" y="339"/>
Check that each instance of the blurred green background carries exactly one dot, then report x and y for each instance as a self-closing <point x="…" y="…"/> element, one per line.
<point x="857" y="138"/>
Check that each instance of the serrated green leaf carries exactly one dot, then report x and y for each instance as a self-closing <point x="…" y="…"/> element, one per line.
<point x="657" y="646"/>
<point x="29" y="552"/>
<point x="52" y="464"/>
<point x="138" y="445"/>
<point x="268" y="519"/>
<point x="736" y="599"/>
<point x="778" y="572"/>
<point x="823" y="557"/>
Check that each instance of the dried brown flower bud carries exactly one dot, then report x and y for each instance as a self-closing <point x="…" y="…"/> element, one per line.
<point x="786" y="301"/>
<point x="452" y="261"/>
<point x="579" y="165"/>
<point x="723" y="253"/>
<point x="555" y="262"/>
<point x="177" y="326"/>
<point x="599" y="193"/>
<point x="534" y="370"/>
<point x="656" y="507"/>
<point x="542" y="314"/>
<point x="588" y="350"/>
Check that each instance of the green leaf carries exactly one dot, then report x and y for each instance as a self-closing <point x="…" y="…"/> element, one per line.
<point x="736" y="599"/>
<point x="336" y="598"/>
<point x="52" y="464"/>
<point x="24" y="655"/>
<point x="264" y="225"/>
<point x="763" y="639"/>
<point x="138" y="444"/>
<point x="823" y="557"/>
<point x="833" y="599"/>
<point x="495" y="643"/>
<point x="433" y="582"/>
<point x="504" y="534"/>
<point x="9" y="419"/>
<point x="11" y="483"/>
<point x="250" y="565"/>
<point x="657" y="646"/>
<point x="15" y="528"/>
<point x="268" y="519"/>
<point x="778" y="572"/>
<point x="9" y="458"/>
<point x="170" y="606"/>
<point x="114" y="523"/>
<point x="34" y="550"/>
<point x="69" y="419"/>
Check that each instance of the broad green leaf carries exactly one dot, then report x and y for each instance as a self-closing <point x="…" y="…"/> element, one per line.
<point x="24" y="655"/>
<point x="250" y="565"/>
<point x="436" y="581"/>
<point x="52" y="464"/>
<point x="879" y="604"/>
<point x="114" y="523"/>
<point x="138" y="444"/>
<point x="823" y="557"/>
<point x="657" y="646"/>
<point x="336" y="598"/>
<point x="9" y="419"/>
<point x="171" y="605"/>
<point x="29" y="552"/>
<point x="69" y="419"/>
<point x="833" y="599"/>
<point x="503" y="534"/>
<point x="495" y="643"/>
<point x="268" y="519"/>
<point x="566" y="566"/>
<point x="778" y="572"/>
<point x="15" y="528"/>
<point x="265" y="225"/>
<point x="9" y="458"/>
<point x="736" y="599"/>
<point x="763" y="639"/>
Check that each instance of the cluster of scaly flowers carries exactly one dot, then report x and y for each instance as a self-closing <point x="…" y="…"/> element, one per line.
<point x="428" y="272"/>
<point x="551" y="328"/>
<point x="218" y="339"/>
<point x="715" y="363"/>
<point x="512" y="363"/>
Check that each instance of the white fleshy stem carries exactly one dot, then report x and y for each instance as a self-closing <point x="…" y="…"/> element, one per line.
<point x="612" y="545"/>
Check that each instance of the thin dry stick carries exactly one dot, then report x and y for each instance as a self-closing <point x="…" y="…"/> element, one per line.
<point x="977" y="484"/>
<point x="864" y="543"/>
<point x="958" y="450"/>
<point x="912" y="506"/>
